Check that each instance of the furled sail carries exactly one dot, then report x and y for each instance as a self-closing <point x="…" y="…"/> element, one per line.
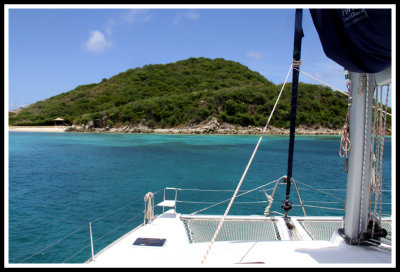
<point x="357" y="39"/>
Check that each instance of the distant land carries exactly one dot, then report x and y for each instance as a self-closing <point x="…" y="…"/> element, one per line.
<point x="187" y="94"/>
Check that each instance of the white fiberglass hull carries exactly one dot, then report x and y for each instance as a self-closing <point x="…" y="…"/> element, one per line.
<point x="289" y="251"/>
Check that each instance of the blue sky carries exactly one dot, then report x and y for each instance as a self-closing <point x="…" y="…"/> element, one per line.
<point x="52" y="50"/>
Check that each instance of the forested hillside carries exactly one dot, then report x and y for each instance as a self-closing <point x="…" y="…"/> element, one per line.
<point x="187" y="92"/>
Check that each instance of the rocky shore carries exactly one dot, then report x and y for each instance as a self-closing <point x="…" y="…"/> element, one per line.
<point x="211" y="127"/>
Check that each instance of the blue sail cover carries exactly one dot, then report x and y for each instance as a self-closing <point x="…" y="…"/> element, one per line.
<point x="357" y="39"/>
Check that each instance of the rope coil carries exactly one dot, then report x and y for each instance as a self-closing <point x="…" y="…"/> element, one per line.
<point x="148" y="205"/>
<point x="296" y="63"/>
<point x="270" y="201"/>
<point x="345" y="143"/>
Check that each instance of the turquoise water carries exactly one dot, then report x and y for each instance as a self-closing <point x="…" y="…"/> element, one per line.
<point x="59" y="182"/>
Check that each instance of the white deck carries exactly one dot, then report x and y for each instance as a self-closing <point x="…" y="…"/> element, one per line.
<point x="179" y="252"/>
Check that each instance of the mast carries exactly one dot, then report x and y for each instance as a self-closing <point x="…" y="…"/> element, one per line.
<point x="298" y="35"/>
<point x="360" y="40"/>
<point x="358" y="177"/>
<point x="357" y="227"/>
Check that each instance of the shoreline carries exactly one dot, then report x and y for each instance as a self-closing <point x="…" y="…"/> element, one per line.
<point x="183" y="131"/>
<point x="37" y="128"/>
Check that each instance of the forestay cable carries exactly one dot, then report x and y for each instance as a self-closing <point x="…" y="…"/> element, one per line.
<point x="245" y="171"/>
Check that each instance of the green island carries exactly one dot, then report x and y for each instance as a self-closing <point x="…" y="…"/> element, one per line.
<point x="185" y="93"/>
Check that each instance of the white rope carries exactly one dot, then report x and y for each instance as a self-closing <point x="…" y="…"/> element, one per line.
<point x="246" y="192"/>
<point x="244" y="173"/>
<point x="374" y="146"/>
<point x="320" y="81"/>
<point x="381" y="154"/>
<point x="374" y="180"/>
<point x="296" y="64"/>
<point x="345" y="143"/>
<point x="271" y="197"/>
<point x="149" y="212"/>
<point x="270" y="201"/>
<point x="364" y="81"/>
<point x="276" y="103"/>
<point x="377" y="154"/>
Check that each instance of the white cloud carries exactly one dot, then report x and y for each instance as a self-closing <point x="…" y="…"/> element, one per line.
<point x="254" y="55"/>
<point x="190" y="14"/>
<point x="127" y="18"/>
<point x="135" y="15"/>
<point x="96" y="43"/>
<point x="109" y="26"/>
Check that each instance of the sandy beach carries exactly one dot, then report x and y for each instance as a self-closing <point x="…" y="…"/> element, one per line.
<point x="212" y="127"/>
<point x="38" y="128"/>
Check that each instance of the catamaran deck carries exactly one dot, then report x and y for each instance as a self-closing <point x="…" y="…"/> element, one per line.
<point x="243" y="241"/>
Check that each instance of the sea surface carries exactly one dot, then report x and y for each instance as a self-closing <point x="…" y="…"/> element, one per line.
<point x="59" y="182"/>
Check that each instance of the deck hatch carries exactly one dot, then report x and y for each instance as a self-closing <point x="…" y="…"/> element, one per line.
<point x="153" y="242"/>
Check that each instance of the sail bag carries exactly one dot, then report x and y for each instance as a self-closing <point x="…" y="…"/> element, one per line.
<point x="357" y="39"/>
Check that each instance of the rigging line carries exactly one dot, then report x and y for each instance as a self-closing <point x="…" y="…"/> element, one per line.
<point x="52" y="244"/>
<point x="207" y="190"/>
<point x="301" y="189"/>
<point x="271" y="198"/>
<point x="245" y="172"/>
<point x="101" y="238"/>
<point x="388" y="113"/>
<point x="320" y="81"/>
<point x="366" y="85"/>
<point x="319" y="207"/>
<point x="301" y="201"/>
<point x="123" y="224"/>
<point x="316" y="201"/>
<point x="200" y="202"/>
<point x="112" y="212"/>
<point x="69" y="258"/>
<point x="230" y="204"/>
<point x="374" y="179"/>
<point x="236" y="196"/>
<point x="321" y="191"/>
<point x="381" y="151"/>
<point x="276" y="102"/>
